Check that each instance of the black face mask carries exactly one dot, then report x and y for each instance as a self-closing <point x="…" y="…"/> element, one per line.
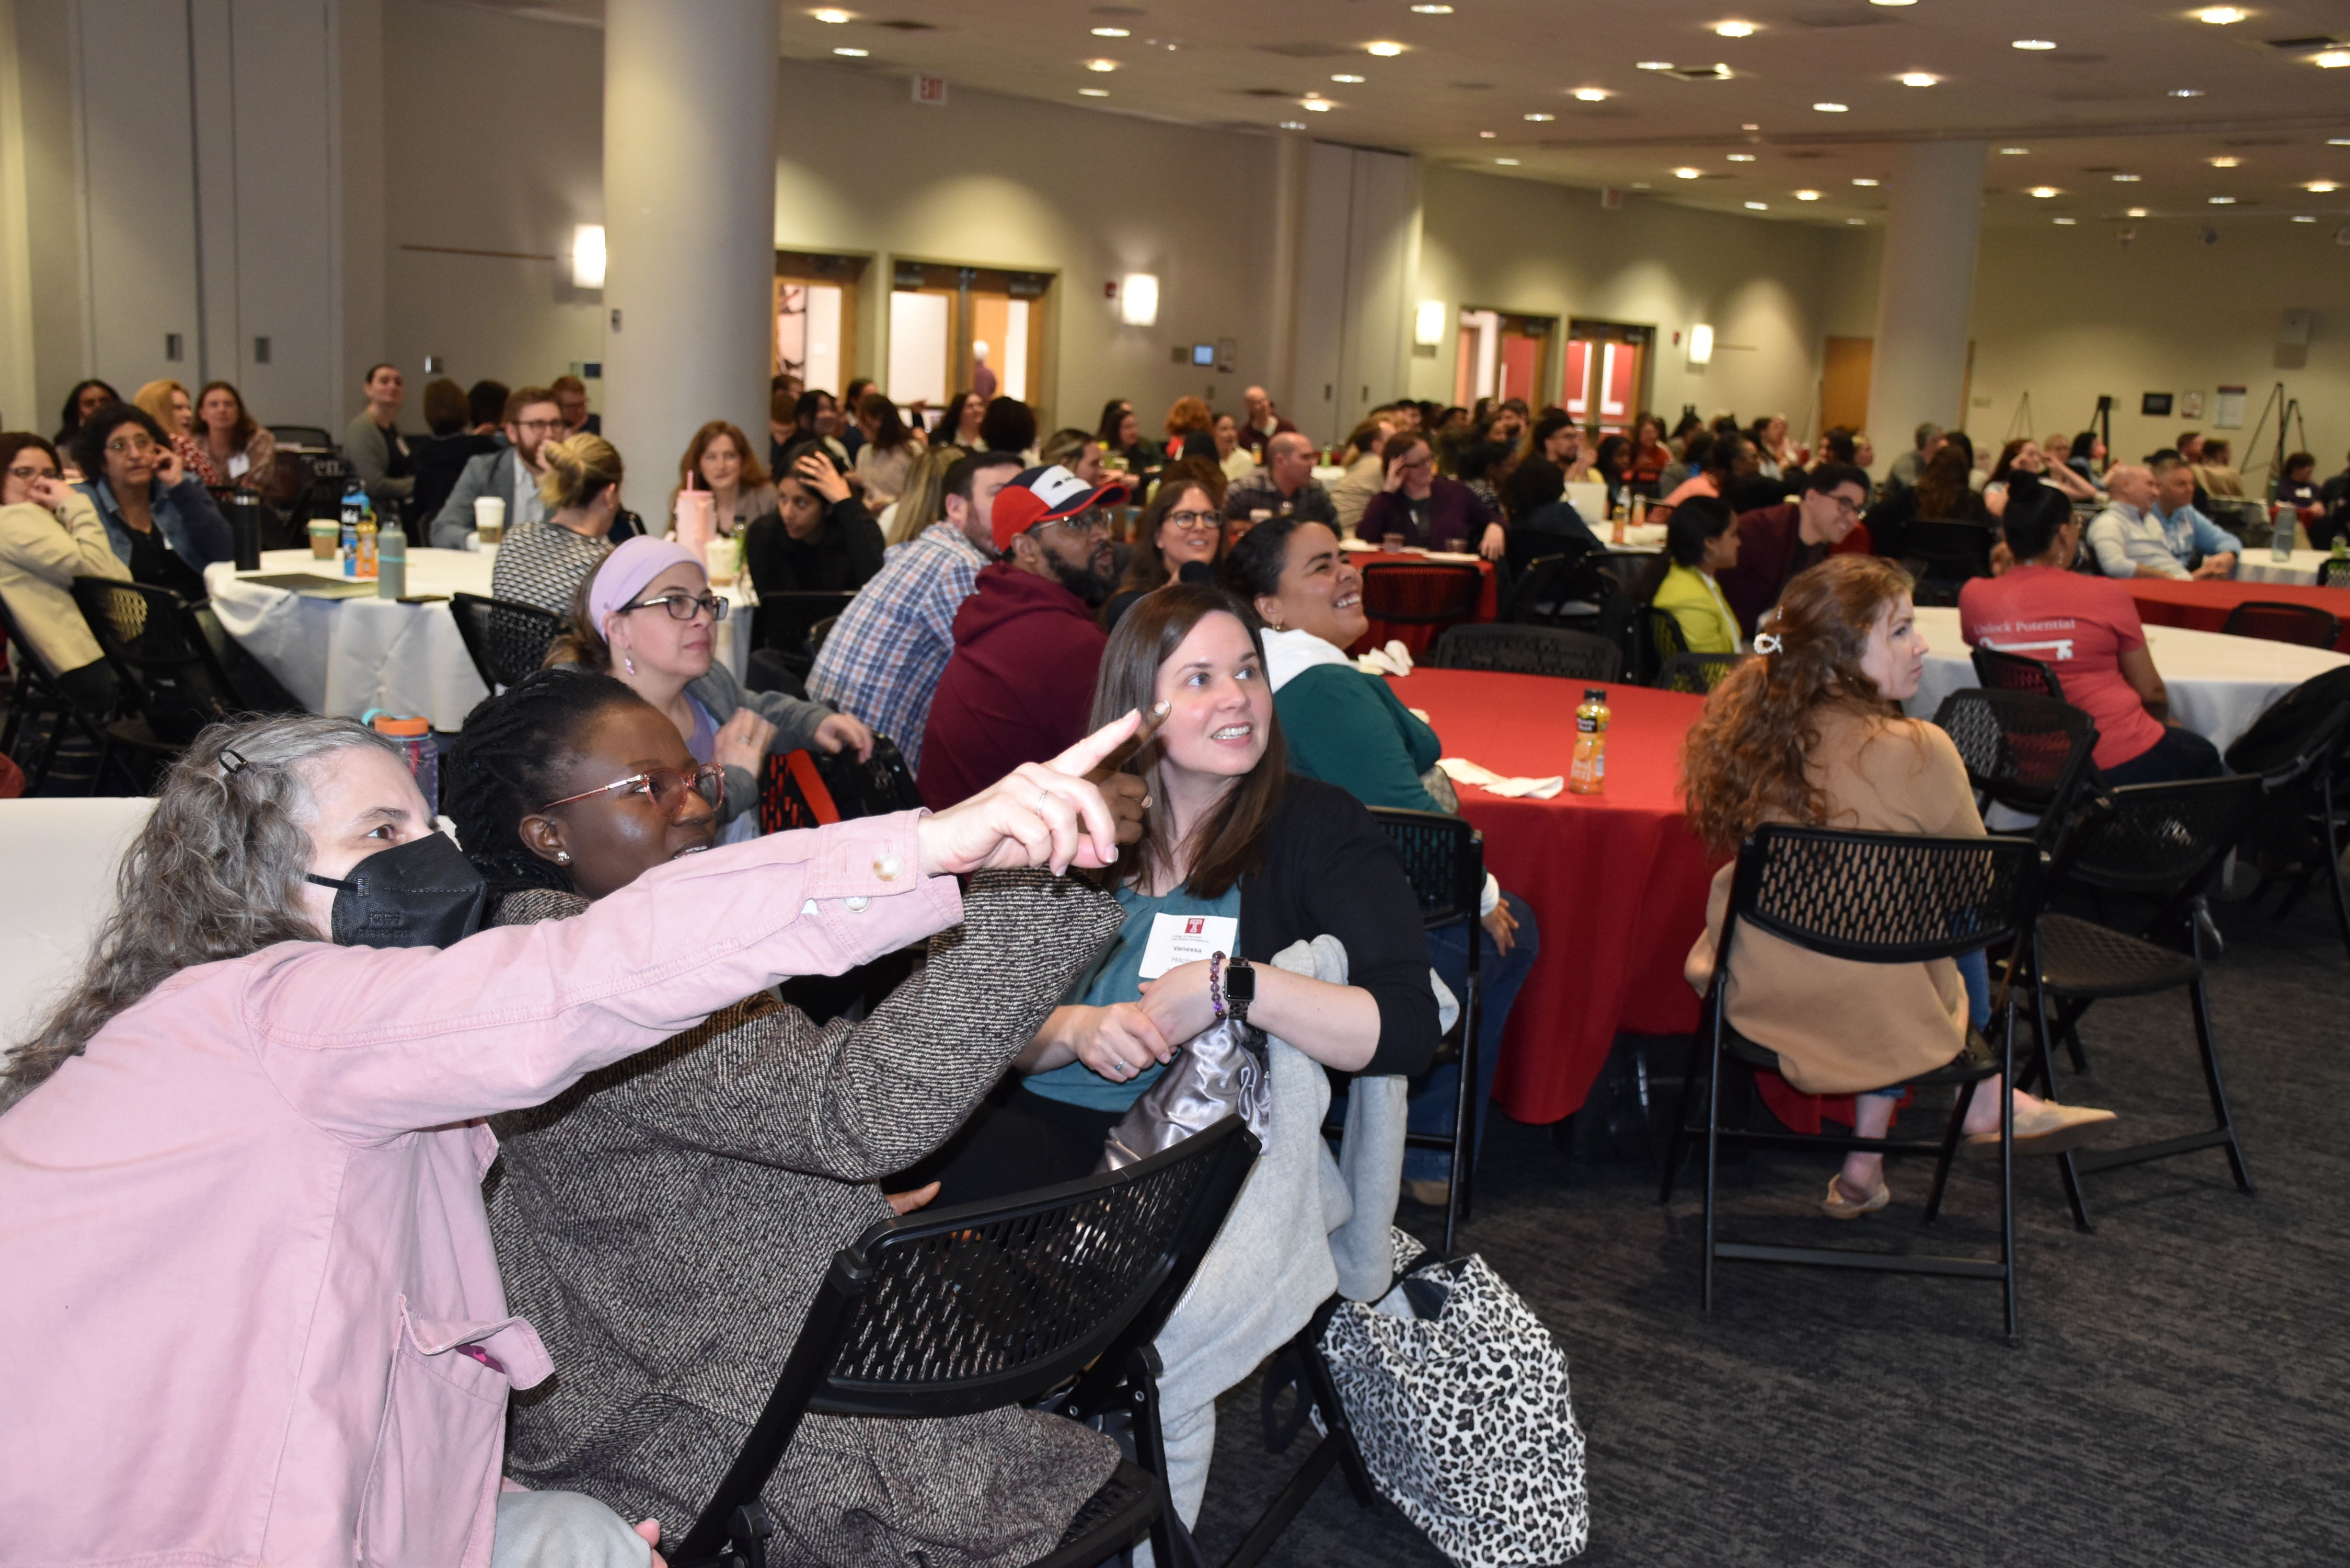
<point x="421" y="893"/>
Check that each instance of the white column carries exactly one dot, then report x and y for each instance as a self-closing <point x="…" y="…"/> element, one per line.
<point x="1925" y="293"/>
<point x="688" y="227"/>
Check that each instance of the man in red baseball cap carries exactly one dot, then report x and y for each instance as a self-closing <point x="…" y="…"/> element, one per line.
<point x="1027" y="646"/>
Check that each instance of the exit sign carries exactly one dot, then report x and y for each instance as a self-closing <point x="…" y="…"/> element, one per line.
<point x="930" y="89"/>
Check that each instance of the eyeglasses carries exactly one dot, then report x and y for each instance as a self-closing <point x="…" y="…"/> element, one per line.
<point x="684" y="606"/>
<point x="1845" y="504"/>
<point x="1195" y="522"/>
<point x="540" y="425"/>
<point x="29" y="471"/>
<point x="666" y="787"/>
<point x="1095" y="521"/>
<point x="138" y="443"/>
<point x="1418" y="462"/>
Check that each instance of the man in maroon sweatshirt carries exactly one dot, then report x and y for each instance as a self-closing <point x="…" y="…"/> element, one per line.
<point x="1021" y="680"/>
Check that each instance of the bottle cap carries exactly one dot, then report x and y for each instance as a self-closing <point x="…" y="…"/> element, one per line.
<point x="1595" y="694"/>
<point x="407" y="729"/>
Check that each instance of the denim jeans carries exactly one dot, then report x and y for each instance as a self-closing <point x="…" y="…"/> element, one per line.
<point x="1499" y="977"/>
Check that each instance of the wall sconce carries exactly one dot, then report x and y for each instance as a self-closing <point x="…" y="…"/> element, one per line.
<point x="588" y="256"/>
<point x="1427" y="324"/>
<point x="1700" y="344"/>
<point x="1138" y="299"/>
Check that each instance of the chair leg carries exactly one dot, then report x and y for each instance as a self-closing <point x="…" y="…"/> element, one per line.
<point x="1712" y="1126"/>
<point x="58" y="724"/>
<point x="2333" y="838"/>
<point x="1949" y="1152"/>
<point x="1150" y="1446"/>
<point x="1680" y="1122"/>
<point x="2007" y="1161"/>
<point x="2200" y="1004"/>
<point x="1464" y="1112"/>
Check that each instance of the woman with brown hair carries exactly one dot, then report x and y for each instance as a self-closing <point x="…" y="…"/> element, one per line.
<point x="923" y="501"/>
<point x="889" y="451"/>
<point x="718" y="459"/>
<point x="1940" y="494"/>
<point x="229" y="442"/>
<point x="1811" y="733"/>
<point x="1191" y="430"/>
<point x="1182" y="526"/>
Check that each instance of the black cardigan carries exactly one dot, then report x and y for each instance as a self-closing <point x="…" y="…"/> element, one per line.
<point x="1329" y="869"/>
<point x="844" y="553"/>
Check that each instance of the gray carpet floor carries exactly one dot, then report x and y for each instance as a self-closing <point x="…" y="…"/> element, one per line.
<point x="2176" y="1396"/>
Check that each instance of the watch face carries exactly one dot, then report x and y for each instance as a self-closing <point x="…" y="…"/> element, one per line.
<point x="1240" y="982"/>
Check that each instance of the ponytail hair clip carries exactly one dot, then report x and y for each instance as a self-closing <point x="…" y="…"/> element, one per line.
<point x="1769" y="642"/>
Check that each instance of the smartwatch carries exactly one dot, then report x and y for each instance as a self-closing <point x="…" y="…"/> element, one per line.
<point x="1239" y="987"/>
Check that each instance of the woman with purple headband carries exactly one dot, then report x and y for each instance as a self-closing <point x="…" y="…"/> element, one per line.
<point x="648" y="618"/>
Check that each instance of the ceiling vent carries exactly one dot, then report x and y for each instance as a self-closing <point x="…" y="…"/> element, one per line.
<point x="1305" y="51"/>
<point x="1700" y="73"/>
<point x="909" y="26"/>
<point x="1865" y="16"/>
<point x="2298" y="45"/>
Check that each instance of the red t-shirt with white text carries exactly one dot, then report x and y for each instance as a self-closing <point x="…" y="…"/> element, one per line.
<point x="2078" y="626"/>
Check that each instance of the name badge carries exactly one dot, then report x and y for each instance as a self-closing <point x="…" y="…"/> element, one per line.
<point x="1186" y="939"/>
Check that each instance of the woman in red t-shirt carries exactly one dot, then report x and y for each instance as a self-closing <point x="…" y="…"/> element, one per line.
<point x="2086" y="629"/>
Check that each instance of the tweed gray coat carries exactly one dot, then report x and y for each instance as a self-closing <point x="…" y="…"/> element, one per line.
<point x="665" y="1224"/>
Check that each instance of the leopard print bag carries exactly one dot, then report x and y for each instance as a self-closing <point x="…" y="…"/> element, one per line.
<point x="1459" y="1399"/>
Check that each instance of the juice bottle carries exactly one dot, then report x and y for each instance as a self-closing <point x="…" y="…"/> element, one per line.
<point x="1590" y="774"/>
<point x="363" y="557"/>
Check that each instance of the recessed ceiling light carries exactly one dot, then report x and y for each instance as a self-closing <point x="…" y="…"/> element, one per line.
<point x="1656" y="64"/>
<point x="1750" y="125"/>
<point x="1507" y="162"/>
<point x="1433" y="10"/>
<point x="1093" y="92"/>
<point x="2186" y="92"/>
<point x="2137" y="213"/>
<point x="2013" y="152"/>
<point x="1757" y="206"/>
<point x="1807" y="196"/>
<point x="2031" y="44"/>
<point x="1344" y="77"/>
<point x="1591" y="95"/>
<point x="1739" y="157"/>
<point x="2337" y="141"/>
<point x="1735" y="29"/>
<point x="1893" y="2"/>
<point x="1856" y="223"/>
<point x="2125" y="179"/>
<point x="1101" y="65"/>
<point x="1642" y="185"/>
<point x="2044" y="191"/>
<point x="2220" y="200"/>
<point x="1918" y="78"/>
<point x="1292" y="125"/>
<point x="2303" y="218"/>
<point x="1112" y="33"/>
<point x="853" y="54"/>
<point x="2220" y="16"/>
<point x="1383" y="49"/>
<point x="2225" y="161"/>
<point x="1319" y="105"/>
<point x="1830" y="108"/>
<point x="1688" y="173"/>
<point x="2322" y="186"/>
<point x="829" y="15"/>
<point x="2066" y="223"/>
<point x="1539" y="118"/>
<point x="1489" y="135"/>
<point x="2332" y="60"/>
<point x="1863" y="181"/>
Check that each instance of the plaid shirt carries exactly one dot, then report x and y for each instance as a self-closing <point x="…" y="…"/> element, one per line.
<point x="884" y="656"/>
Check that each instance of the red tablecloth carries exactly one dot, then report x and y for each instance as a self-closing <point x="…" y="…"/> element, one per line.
<point x="2204" y="606"/>
<point x="1418" y="638"/>
<point x="1617" y="881"/>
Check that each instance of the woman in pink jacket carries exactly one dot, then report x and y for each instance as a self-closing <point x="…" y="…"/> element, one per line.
<point x="252" y="1310"/>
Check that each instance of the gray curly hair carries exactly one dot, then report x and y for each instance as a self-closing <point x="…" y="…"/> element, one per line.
<point x="215" y="874"/>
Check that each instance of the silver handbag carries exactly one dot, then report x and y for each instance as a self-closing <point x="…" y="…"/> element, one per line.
<point x="1221" y="1070"/>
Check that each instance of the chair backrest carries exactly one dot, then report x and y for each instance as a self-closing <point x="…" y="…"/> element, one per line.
<point x="1544" y="581"/>
<point x="1666" y="637"/>
<point x="819" y="631"/>
<point x="313" y="436"/>
<point x="974" y="1308"/>
<point x="1951" y="547"/>
<point x="783" y="621"/>
<point x="2334" y="574"/>
<point x="1444" y="856"/>
<point x="1528" y="650"/>
<point x="809" y="788"/>
<point x="2162" y="841"/>
<point x="2272" y="622"/>
<point x="160" y="655"/>
<point x="1882" y="898"/>
<point x="2287" y="732"/>
<point x="507" y="641"/>
<point x="1421" y="593"/>
<point x="2027" y="752"/>
<point x="2013" y="672"/>
<point x="1697" y="672"/>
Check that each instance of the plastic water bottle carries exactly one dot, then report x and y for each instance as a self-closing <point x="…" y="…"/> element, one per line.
<point x="1590" y="774"/>
<point x="414" y="736"/>
<point x="2282" y="518"/>
<point x="355" y="506"/>
<point x="391" y="563"/>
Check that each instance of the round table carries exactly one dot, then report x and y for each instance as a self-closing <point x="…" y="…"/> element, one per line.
<point x="2257" y="566"/>
<point x="1617" y="881"/>
<point x="2217" y="684"/>
<point x="346" y="656"/>
<point x="2204" y="606"/>
<point x="1418" y="638"/>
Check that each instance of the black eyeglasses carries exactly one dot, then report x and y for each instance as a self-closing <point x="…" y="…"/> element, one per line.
<point x="684" y="606"/>
<point x="666" y="787"/>
<point x="1096" y="521"/>
<point x="29" y="471"/>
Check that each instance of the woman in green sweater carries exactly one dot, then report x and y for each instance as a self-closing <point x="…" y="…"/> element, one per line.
<point x="1348" y="728"/>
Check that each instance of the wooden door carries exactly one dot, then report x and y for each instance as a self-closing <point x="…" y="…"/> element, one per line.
<point x="1843" y="383"/>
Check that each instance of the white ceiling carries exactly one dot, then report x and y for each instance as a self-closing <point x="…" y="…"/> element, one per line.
<point x="2102" y="102"/>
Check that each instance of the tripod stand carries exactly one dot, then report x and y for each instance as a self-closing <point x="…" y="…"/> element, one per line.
<point x="2288" y="415"/>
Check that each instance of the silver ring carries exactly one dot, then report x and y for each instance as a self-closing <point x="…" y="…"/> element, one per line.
<point x="1037" y="805"/>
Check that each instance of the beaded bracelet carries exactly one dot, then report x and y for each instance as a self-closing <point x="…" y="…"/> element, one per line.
<point x="1216" y="983"/>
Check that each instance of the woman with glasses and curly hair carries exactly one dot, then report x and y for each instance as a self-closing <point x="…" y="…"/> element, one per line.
<point x="647" y="617"/>
<point x="241" y="1162"/>
<point x="1811" y="733"/>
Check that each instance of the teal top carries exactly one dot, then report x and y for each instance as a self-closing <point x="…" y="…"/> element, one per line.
<point x="1116" y="976"/>
<point x="1351" y="730"/>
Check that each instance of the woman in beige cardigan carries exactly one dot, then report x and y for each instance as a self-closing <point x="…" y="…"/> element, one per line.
<point x="1811" y="733"/>
<point x="51" y="534"/>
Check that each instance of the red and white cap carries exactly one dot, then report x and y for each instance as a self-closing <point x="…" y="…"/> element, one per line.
<point x="1045" y="495"/>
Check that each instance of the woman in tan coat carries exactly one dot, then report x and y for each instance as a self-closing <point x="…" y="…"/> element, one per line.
<point x="1811" y="733"/>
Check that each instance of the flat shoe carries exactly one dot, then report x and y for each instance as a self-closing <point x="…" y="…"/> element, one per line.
<point x="1836" y="1206"/>
<point x="1434" y="1194"/>
<point x="2048" y="1128"/>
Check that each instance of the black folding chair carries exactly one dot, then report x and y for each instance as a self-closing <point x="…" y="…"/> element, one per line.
<point x="1421" y="593"/>
<point x="505" y="641"/>
<point x="2303" y="833"/>
<point x="1944" y="552"/>
<point x="34" y="695"/>
<point x="819" y="631"/>
<point x="1445" y="860"/>
<point x="2002" y="672"/>
<point x="2275" y="621"/>
<point x="2334" y="574"/>
<point x="785" y="622"/>
<point x="1697" y="673"/>
<point x="1057" y="1294"/>
<point x="2164" y="843"/>
<point x="1528" y="650"/>
<point x="172" y="682"/>
<point x="1870" y="897"/>
<point x="1545" y="590"/>
<point x="2028" y="752"/>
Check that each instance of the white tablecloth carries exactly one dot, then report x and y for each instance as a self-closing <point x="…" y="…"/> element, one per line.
<point x="68" y="850"/>
<point x="346" y="656"/>
<point x="2255" y="565"/>
<point x="2217" y="684"/>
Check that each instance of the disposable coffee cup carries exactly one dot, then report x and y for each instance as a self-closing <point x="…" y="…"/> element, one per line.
<point x="1394" y="544"/>
<point x="490" y="518"/>
<point x="326" y="537"/>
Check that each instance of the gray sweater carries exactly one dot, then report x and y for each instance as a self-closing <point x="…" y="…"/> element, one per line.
<point x="665" y="1224"/>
